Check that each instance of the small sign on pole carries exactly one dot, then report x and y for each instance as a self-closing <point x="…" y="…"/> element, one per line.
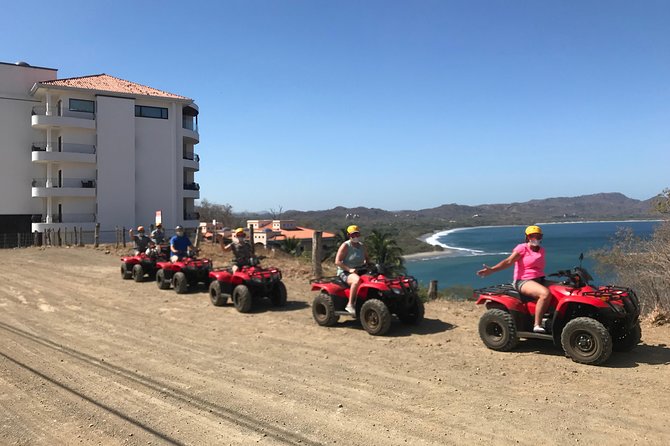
<point x="159" y="217"/>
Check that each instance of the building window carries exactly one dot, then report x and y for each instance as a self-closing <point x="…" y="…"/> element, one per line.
<point x="79" y="105"/>
<point x="144" y="111"/>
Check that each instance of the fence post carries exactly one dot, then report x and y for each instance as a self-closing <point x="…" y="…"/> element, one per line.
<point x="116" y="233"/>
<point x="123" y="234"/>
<point x="196" y="242"/>
<point x="251" y="239"/>
<point x="76" y="237"/>
<point x="81" y="236"/>
<point x="60" y="239"/>
<point x="18" y="239"/>
<point x="317" y="270"/>
<point x="432" y="289"/>
<point x="96" y="235"/>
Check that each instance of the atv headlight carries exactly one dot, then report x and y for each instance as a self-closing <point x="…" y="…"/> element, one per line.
<point x="396" y="290"/>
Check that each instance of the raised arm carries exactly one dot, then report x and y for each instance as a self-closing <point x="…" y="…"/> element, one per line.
<point x="509" y="261"/>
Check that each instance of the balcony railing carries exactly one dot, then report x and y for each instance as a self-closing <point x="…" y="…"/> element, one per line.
<point x="64" y="218"/>
<point x="189" y="123"/>
<point x="191" y="186"/>
<point x="191" y="156"/>
<point x="85" y="183"/>
<point x="68" y="147"/>
<point x="191" y="215"/>
<point x="41" y="110"/>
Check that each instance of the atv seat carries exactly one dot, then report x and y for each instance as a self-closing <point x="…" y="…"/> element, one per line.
<point x="508" y="290"/>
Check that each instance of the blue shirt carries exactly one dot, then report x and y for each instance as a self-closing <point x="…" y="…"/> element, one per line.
<point x="180" y="244"/>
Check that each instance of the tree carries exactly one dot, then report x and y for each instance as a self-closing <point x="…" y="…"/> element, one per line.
<point x="209" y="211"/>
<point x="384" y="250"/>
<point x="662" y="202"/>
<point x="291" y="245"/>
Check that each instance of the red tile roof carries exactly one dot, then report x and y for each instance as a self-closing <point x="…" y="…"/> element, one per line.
<point x="300" y="233"/>
<point x="105" y="82"/>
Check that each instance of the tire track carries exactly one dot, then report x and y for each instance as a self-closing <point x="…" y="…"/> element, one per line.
<point x="231" y="416"/>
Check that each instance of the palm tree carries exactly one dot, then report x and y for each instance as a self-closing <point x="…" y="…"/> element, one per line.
<point x="384" y="250"/>
<point x="291" y="245"/>
<point x="340" y="237"/>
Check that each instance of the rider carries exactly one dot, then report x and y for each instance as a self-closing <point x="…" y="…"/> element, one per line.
<point x="180" y="245"/>
<point x="242" y="252"/>
<point x="142" y="242"/>
<point x="351" y="256"/>
<point x="158" y="235"/>
<point x="529" y="261"/>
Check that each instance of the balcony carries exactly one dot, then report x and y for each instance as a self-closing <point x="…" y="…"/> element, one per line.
<point x="67" y="187"/>
<point x="191" y="190"/>
<point x="68" y="153"/>
<point x="192" y="216"/>
<point x="191" y="161"/>
<point x="63" y="221"/>
<point x="189" y="124"/>
<point x="79" y="120"/>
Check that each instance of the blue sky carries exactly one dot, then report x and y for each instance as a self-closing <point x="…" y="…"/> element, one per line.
<point x="388" y="104"/>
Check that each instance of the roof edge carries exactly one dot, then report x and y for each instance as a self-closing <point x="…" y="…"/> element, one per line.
<point x="39" y="85"/>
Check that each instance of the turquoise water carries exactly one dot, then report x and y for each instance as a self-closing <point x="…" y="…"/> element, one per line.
<point x="564" y="242"/>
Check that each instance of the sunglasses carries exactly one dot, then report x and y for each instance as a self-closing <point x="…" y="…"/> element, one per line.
<point x="535" y="236"/>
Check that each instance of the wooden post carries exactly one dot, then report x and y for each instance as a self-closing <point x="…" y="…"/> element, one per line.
<point x="81" y="236"/>
<point x="123" y="234"/>
<point x="96" y="235"/>
<point x="196" y="242"/>
<point x="317" y="270"/>
<point x="116" y="231"/>
<point x="18" y="239"/>
<point x="251" y="240"/>
<point x="76" y="237"/>
<point x="60" y="239"/>
<point x="432" y="289"/>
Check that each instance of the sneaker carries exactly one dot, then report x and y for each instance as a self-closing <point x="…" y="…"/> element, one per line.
<point x="538" y="329"/>
<point x="351" y="310"/>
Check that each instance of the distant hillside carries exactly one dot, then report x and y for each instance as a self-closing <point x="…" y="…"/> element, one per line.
<point x="407" y="225"/>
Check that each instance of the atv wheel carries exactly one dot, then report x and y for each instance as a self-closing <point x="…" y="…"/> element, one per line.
<point x="138" y="273"/>
<point x="242" y="298"/>
<point x="180" y="283"/>
<point x="278" y="295"/>
<point x="375" y="317"/>
<point x="586" y="341"/>
<point x="413" y="312"/>
<point x="215" y="295"/>
<point x="628" y="341"/>
<point x="498" y="330"/>
<point x="126" y="273"/>
<point x="323" y="310"/>
<point x="161" y="281"/>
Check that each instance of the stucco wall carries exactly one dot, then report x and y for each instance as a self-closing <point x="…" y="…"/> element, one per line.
<point x="116" y="161"/>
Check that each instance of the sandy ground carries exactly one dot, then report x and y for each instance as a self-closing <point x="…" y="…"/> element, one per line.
<point x="86" y="358"/>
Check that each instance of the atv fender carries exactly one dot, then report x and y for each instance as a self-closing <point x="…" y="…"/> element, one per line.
<point x="328" y="288"/>
<point x="577" y="299"/>
<point x="510" y="303"/>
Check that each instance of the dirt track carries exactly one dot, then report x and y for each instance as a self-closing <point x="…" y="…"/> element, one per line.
<point x="86" y="358"/>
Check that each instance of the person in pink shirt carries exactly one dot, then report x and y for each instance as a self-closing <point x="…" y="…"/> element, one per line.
<point x="528" y="260"/>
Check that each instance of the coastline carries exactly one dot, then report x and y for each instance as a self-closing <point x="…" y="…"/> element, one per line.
<point x="430" y="238"/>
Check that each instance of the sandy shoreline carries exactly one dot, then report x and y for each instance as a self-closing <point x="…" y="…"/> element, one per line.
<point x="445" y="252"/>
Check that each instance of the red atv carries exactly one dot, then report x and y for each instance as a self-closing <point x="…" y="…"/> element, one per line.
<point x="377" y="299"/>
<point x="588" y="322"/>
<point x="138" y="266"/>
<point x="185" y="273"/>
<point x="245" y="284"/>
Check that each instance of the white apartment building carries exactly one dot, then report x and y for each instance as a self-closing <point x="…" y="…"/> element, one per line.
<point x="93" y="149"/>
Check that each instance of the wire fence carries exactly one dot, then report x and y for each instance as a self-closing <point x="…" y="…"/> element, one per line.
<point x="74" y="236"/>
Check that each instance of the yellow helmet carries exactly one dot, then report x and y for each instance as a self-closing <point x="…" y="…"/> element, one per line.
<point x="239" y="231"/>
<point x="533" y="230"/>
<point x="352" y="229"/>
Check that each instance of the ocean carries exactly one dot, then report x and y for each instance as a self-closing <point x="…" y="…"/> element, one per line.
<point x="472" y="247"/>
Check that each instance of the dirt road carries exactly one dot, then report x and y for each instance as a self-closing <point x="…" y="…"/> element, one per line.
<point x="86" y="358"/>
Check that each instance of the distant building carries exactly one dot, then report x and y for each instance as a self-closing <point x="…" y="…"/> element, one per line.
<point x="93" y="149"/>
<point x="272" y="232"/>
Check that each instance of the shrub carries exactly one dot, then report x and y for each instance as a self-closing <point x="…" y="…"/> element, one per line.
<point x="641" y="264"/>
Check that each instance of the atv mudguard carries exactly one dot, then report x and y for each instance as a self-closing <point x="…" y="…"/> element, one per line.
<point x="331" y="288"/>
<point x="509" y="302"/>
